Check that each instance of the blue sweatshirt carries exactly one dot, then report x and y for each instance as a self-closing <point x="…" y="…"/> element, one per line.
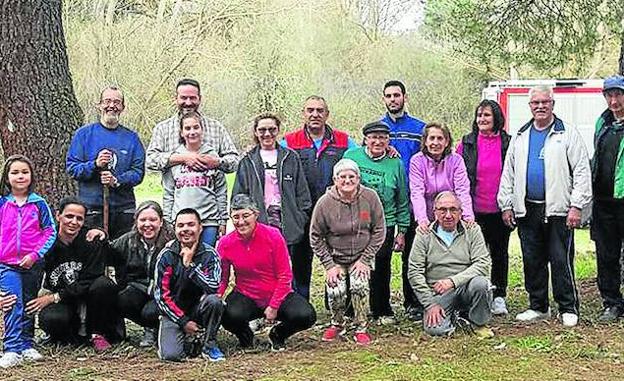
<point x="405" y="136"/>
<point x="127" y="164"/>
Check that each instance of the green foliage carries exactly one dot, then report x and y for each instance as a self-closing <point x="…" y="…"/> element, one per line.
<point x="256" y="56"/>
<point x="562" y="37"/>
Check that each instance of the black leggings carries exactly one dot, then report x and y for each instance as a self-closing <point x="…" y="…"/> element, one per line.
<point x="138" y="306"/>
<point x="62" y="320"/>
<point x="295" y="314"/>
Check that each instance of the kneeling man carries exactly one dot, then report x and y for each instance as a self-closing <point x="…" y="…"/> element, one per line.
<point x="448" y="269"/>
<point x="187" y="277"/>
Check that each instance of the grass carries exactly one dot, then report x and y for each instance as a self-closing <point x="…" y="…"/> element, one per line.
<point x="545" y="351"/>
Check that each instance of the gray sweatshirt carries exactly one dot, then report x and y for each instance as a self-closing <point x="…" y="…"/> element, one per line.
<point x="204" y="191"/>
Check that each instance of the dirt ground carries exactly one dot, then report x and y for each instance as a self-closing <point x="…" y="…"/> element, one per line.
<point x="545" y="351"/>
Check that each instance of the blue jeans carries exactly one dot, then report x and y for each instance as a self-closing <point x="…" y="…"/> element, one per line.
<point x="18" y="326"/>
<point x="209" y="235"/>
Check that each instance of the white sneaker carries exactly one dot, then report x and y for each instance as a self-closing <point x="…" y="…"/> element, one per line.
<point x="10" y="359"/>
<point x="533" y="316"/>
<point x="256" y="325"/>
<point x="569" y="319"/>
<point x="498" y="306"/>
<point x="387" y="320"/>
<point x="32" y="354"/>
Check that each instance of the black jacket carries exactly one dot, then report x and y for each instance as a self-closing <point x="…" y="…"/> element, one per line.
<point x="296" y="204"/>
<point x="71" y="269"/>
<point x="134" y="262"/>
<point x="469" y="154"/>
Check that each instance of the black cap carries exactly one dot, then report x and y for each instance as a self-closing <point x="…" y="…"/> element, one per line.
<point x="377" y="126"/>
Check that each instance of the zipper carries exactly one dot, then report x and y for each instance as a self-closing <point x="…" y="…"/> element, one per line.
<point x="19" y="230"/>
<point x="281" y="187"/>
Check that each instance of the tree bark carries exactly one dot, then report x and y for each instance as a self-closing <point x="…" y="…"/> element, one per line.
<point x="36" y="92"/>
<point x="621" y="60"/>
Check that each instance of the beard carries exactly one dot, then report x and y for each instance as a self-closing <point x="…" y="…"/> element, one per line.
<point x="110" y="118"/>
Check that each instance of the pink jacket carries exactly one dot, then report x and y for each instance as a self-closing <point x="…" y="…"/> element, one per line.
<point x="261" y="265"/>
<point x="428" y="178"/>
<point x="26" y="230"/>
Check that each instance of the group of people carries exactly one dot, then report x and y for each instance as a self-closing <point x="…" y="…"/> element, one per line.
<point x="316" y="192"/>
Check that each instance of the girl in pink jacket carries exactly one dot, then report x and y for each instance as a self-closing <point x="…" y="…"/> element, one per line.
<point x="27" y="232"/>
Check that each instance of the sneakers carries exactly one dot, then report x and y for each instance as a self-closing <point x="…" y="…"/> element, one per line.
<point x="569" y="319"/>
<point x="100" y="344"/>
<point x="31" y="354"/>
<point x="498" y="306"/>
<point x="414" y="314"/>
<point x="10" y="359"/>
<point x="610" y="314"/>
<point x="213" y="354"/>
<point x="277" y="344"/>
<point x="530" y="315"/>
<point x="362" y="338"/>
<point x="331" y="333"/>
<point x="386" y="320"/>
<point x="149" y="338"/>
<point x="483" y="332"/>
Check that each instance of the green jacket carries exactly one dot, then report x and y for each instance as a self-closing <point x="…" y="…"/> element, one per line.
<point x="387" y="178"/>
<point x="604" y="122"/>
<point x="432" y="260"/>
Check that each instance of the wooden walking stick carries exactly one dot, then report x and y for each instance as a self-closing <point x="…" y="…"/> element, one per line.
<point x="109" y="271"/>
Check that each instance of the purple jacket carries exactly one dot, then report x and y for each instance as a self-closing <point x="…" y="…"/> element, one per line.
<point x="26" y="230"/>
<point x="428" y="178"/>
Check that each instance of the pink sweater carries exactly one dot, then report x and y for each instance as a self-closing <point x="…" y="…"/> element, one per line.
<point x="261" y="265"/>
<point x="489" y="170"/>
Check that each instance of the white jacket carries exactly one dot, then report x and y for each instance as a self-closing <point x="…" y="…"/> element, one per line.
<point x="566" y="170"/>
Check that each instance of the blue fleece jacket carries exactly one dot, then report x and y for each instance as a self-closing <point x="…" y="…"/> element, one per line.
<point x="405" y="136"/>
<point x="128" y="164"/>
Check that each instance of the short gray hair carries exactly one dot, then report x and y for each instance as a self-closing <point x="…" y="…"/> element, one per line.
<point x="346" y="165"/>
<point x="242" y="201"/>
<point x="542" y="89"/>
<point x="443" y="194"/>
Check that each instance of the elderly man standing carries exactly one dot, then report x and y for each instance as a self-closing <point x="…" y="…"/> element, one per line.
<point x="166" y="137"/>
<point x="107" y="154"/>
<point x="607" y="228"/>
<point x="546" y="182"/>
<point x="448" y="269"/>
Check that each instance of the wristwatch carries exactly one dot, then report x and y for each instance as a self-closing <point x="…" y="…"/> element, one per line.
<point x="57" y="297"/>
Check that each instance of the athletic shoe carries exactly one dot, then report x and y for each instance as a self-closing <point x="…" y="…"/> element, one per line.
<point x="498" y="306"/>
<point x="149" y="338"/>
<point x="100" y="344"/>
<point x="610" y="314"/>
<point x="483" y="332"/>
<point x="569" y="319"/>
<point x="362" y="338"/>
<point x="31" y="354"/>
<point x="277" y="344"/>
<point x="414" y="314"/>
<point x="331" y="333"/>
<point x="213" y="354"/>
<point x="530" y="316"/>
<point x="386" y="320"/>
<point x="10" y="359"/>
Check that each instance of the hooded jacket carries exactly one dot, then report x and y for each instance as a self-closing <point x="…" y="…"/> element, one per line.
<point x="567" y="175"/>
<point x="295" y="195"/>
<point x="341" y="232"/>
<point x="603" y="124"/>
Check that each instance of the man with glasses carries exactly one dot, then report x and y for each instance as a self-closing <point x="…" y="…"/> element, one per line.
<point x="107" y="154"/>
<point x="448" y="269"/>
<point x="607" y="227"/>
<point x="546" y="183"/>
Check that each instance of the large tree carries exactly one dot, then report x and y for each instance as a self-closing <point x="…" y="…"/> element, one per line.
<point x="38" y="107"/>
<point x="555" y="36"/>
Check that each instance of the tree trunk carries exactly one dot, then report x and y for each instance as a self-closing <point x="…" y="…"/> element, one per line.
<point x="36" y="93"/>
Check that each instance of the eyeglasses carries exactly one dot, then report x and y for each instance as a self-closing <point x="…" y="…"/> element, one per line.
<point x="238" y="217"/>
<point x="114" y="102"/>
<point x="262" y="131"/>
<point x="444" y="211"/>
<point x="537" y="103"/>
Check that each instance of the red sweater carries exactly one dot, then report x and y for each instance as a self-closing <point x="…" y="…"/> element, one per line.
<point x="261" y="265"/>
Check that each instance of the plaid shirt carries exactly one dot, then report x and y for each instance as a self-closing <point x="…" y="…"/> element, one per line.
<point x="166" y="138"/>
